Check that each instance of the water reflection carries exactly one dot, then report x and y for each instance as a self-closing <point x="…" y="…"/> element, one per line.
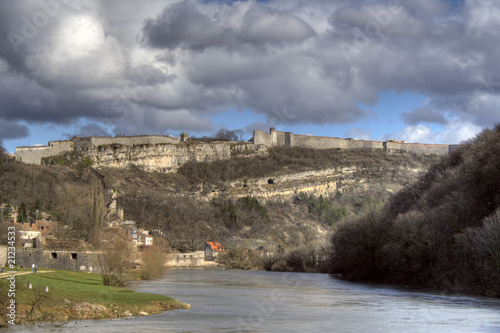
<point x="234" y="301"/>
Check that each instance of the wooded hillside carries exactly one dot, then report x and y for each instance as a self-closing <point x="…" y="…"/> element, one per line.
<point x="441" y="233"/>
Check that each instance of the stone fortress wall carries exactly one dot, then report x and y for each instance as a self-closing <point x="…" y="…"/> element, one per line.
<point x="34" y="154"/>
<point x="166" y="154"/>
<point x="276" y="138"/>
<point x="151" y="152"/>
<point x="89" y="143"/>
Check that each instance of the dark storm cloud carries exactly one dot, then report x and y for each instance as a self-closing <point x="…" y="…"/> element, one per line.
<point x="12" y="130"/>
<point x="423" y="115"/>
<point x="183" y="25"/>
<point x="169" y="65"/>
<point x="91" y="129"/>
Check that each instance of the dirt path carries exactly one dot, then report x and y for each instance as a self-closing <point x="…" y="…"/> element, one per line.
<point x="2" y="275"/>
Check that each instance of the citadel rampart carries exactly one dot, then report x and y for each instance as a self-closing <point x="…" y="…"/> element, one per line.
<point x="276" y="138"/>
<point x="152" y="152"/>
<point x="34" y="155"/>
<point x="166" y="154"/>
<point x="86" y="144"/>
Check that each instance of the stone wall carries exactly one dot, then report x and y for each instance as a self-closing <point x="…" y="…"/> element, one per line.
<point x="58" y="259"/>
<point x="153" y="153"/>
<point x="263" y="138"/>
<point x="194" y="259"/>
<point x="34" y="155"/>
<point x="417" y="148"/>
<point x="86" y="144"/>
<point x="166" y="154"/>
<point x="276" y="138"/>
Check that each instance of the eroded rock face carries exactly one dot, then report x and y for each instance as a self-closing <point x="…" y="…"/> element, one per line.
<point x="168" y="157"/>
<point x="322" y="182"/>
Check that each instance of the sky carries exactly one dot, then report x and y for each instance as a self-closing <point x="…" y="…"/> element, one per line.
<point x="422" y="71"/>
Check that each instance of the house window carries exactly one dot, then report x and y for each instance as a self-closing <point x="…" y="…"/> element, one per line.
<point x="74" y="256"/>
<point x="53" y="255"/>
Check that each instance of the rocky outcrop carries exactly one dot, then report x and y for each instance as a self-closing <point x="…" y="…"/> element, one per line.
<point x="169" y="157"/>
<point x="323" y="182"/>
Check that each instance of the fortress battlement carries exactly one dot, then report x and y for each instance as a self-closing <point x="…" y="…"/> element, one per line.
<point x="167" y="154"/>
<point x="276" y="138"/>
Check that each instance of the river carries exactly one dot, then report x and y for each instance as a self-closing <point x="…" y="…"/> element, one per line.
<point x="237" y="301"/>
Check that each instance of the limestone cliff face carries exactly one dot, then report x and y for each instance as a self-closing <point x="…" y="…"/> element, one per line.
<point x="169" y="157"/>
<point x="324" y="182"/>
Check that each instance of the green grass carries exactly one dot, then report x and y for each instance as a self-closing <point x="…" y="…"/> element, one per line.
<point x="79" y="296"/>
<point x="76" y="286"/>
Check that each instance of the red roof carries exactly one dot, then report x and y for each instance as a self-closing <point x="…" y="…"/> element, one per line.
<point x="216" y="246"/>
<point x="44" y="227"/>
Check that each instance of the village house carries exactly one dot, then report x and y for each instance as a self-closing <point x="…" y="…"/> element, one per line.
<point x="141" y="237"/>
<point x="27" y="232"/>
<point x="148" y="239"/>
<point x="129" y="231"/>
<point x="71" y="254"/>
<point x="30" y="230"/>
<point x="191" y="259"/>
<point x="212" y="250"/>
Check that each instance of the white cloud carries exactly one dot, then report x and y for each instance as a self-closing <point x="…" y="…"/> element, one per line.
<point x="165" y="65"/>
<point x="454" y="133"/>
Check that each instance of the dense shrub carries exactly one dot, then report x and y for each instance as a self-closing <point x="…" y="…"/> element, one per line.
<point x="442" y="232"/>
<point x="153" y="261"/>
<point x="240" y="258"/>
<point x="482" y="250"/>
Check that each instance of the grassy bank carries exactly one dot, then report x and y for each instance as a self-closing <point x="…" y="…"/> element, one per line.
<point x="79" y="296"/>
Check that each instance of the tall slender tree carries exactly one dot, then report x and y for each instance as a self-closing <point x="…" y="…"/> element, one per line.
<point x="21" y="214"/>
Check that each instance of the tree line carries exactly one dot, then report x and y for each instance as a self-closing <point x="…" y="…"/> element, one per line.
<point x="441" y="233"/>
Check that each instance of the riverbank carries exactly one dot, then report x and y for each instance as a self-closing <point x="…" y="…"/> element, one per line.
<point x="61" y="296"/>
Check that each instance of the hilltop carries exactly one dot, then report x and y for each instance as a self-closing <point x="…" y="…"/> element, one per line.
<point x="288" y="197"/>
<point x="167" y="154"/>
<point x="443" y="232"/>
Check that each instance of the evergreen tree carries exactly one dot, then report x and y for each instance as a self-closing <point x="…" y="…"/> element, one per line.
<point x="7" y="212"/>
<point x="22" y="215"/>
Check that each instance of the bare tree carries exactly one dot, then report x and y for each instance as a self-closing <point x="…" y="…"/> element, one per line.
<point x="114" y="261"/>
<point x="153" y="260"/>
<point x="229" y="135"/>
